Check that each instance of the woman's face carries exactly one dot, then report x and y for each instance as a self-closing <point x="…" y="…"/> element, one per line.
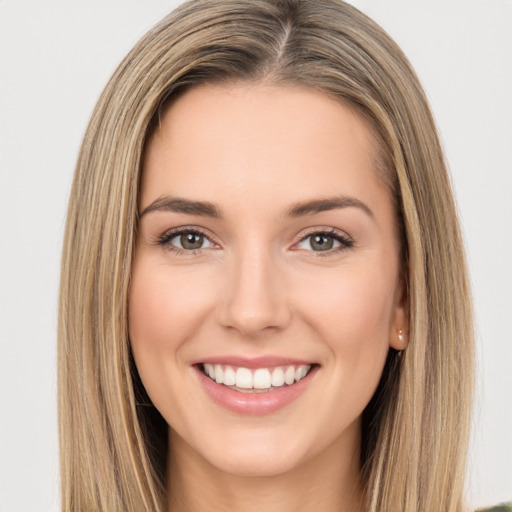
<point x="267" y="248"/>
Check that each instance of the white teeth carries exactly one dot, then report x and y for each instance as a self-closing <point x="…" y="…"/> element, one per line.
<point x="277" y="377"/>
<point x="219" y="374"/>
<point x="208" y="368"/>
<point x="243" y="378"/>
<point x="229" y="376"/>
<point x="261" y="378"/>
<point x="289" y="375"/>
<point x="300" y="373"/>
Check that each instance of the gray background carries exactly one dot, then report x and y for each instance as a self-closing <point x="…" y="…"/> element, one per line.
<point x="56" y="56"/>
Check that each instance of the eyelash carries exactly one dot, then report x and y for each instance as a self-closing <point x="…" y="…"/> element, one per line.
<point x="344" y="241"/>
<point x="165" y="240"/>
<point x="338" y="236"/>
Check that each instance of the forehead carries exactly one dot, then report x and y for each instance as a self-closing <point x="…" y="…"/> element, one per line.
<point x="247" y="141"/>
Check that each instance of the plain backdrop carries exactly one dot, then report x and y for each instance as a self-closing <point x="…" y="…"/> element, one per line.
<point x="55" y="58"/>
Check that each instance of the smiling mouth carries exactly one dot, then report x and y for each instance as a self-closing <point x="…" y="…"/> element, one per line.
<point x="258" y="380"/>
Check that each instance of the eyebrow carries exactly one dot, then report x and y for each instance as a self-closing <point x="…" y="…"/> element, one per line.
<point x="181" y="205"/>
<point x="313" y="206"/>
<point x="299" y="209"/>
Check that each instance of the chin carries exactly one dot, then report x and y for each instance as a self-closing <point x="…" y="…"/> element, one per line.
<point x="248" y="452"/>
<point x="262" y="465"/>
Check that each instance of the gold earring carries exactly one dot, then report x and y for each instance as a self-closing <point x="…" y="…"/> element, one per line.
<point x="401" y="335"/>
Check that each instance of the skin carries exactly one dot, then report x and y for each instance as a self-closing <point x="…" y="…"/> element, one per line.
<point x="258" y="286"/>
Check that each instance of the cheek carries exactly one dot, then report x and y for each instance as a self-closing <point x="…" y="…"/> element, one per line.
<point x="165" y="311"/>
<point x="353" y="316"/>
<point x="352" y="307"/>
<point x="165" y="307"/>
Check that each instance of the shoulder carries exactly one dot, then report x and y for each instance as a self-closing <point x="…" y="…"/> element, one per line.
<point x="504" y="507"/>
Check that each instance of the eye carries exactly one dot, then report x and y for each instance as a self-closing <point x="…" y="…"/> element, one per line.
<point x="325" y="241"/>
<point x="185" y="240"/>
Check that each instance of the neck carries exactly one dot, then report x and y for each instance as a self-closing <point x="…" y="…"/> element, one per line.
<point x="328" y="481"/>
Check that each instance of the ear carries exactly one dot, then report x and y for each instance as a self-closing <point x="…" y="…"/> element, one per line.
<point x="399" y="327"/>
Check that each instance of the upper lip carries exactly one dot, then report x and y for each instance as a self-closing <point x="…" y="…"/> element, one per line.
<point x="253" y="362"/>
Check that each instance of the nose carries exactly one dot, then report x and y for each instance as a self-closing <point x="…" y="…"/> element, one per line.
<point x="254" y="296"/>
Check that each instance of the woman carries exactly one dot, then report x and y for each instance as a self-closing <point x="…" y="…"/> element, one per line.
<point x="264" y="299"/>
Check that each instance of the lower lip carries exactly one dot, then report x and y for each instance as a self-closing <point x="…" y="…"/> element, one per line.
<point x="254" y="404"/>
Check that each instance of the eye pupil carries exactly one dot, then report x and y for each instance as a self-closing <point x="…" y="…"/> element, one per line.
<point x="322" y="242"/>
<point x="191" y="241"/>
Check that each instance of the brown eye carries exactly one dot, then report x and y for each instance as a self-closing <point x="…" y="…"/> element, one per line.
<point x="321" y="242"/>
<point x="191" y="241"/>
<point x="328" y="242"/>
<point x="185" y="241"/>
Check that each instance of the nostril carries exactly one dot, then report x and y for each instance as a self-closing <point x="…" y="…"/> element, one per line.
<point x="251" y="318"/>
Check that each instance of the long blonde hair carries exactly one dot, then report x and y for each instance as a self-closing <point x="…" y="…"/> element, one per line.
<point x="415" y="430"/>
